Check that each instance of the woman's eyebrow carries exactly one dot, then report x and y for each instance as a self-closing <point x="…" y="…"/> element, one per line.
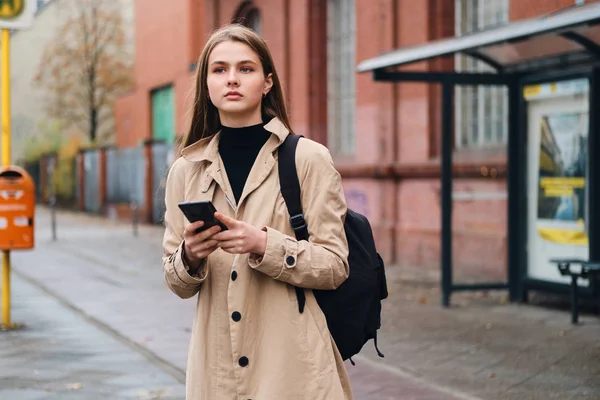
<point x="239" y="62"/>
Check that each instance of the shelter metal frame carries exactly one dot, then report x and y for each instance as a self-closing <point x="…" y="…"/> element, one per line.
<point x="579" y="26"/>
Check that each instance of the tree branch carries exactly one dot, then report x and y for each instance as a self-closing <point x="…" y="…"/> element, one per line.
<point x="84" y="68"/>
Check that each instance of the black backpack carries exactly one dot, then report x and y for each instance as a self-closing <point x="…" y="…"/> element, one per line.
<point x="353" y="310"/>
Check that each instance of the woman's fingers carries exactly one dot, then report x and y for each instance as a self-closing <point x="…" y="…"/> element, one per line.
<point x="200" y="245"/>
<point x="229" y="222"/>
<point x="208" y="244"/>
<point x="225" y="236"/>
<point x="232" y="246"/>
<point x="191" y="229"/>
<point x="204" y="249"/>
<point x="208" y="233"/>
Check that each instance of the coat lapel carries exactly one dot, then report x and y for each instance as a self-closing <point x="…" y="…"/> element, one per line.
<point x="207" y="150"/>
<point x="265" y="161"/>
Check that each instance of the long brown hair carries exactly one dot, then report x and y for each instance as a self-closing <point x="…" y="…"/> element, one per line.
<point x="205" y="118"/>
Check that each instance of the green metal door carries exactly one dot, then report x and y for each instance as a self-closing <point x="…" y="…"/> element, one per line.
<point x="163" y="114"/>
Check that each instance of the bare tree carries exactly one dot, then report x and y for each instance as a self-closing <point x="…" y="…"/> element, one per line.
<point x="86" y="66"/>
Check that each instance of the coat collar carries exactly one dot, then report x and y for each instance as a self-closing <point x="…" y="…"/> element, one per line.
<point x="207" y="149"/>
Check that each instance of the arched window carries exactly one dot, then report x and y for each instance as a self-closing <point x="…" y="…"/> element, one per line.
<point x="253" y="20"/>
<point x="248" y="15"/>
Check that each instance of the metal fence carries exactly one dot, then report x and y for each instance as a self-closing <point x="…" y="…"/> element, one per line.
<point x="162" y="156"/>
<point x="34" y="170"/>
<point x="125" y="172"/>
<point x="76" y="181"/>
<point x="91" y="182"/>
<point x="125" y="179"/>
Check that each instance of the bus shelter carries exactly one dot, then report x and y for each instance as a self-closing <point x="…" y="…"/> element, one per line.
<point x="551" y="69"/>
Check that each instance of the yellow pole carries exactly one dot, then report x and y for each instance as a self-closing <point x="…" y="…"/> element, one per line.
<point x="5" y="40"/>
<point x="6" y="289"/>
<point x="5" y="98"/>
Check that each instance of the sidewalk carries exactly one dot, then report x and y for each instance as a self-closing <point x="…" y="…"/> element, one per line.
<point x="60" y="354"/>
<point x="480" y="348"/>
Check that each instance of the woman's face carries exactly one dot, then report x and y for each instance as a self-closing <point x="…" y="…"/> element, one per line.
<point x="236" y="83"/>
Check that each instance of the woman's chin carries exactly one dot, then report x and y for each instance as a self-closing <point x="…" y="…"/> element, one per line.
<point x="235" y="107"/>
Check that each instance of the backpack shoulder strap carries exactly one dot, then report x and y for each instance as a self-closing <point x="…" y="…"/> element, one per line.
<point x="290" y="190"/>
<point x="290" y="185"/>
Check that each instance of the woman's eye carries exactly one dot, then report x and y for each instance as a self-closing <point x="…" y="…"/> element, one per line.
<point x="219" y="70"/>
<point x="246" y="69"/>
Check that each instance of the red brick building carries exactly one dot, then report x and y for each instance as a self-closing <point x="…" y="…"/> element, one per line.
<point x="384" y="137"/>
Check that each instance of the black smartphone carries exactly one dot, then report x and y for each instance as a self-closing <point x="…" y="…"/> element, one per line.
<point x="201" y="211"/>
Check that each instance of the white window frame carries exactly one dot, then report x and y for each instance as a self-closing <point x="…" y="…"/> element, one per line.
<point x="481" y="113"/>
<point x="341" y="76"/>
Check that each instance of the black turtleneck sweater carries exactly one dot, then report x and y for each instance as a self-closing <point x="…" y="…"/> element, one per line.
<point x="239" y="148"/>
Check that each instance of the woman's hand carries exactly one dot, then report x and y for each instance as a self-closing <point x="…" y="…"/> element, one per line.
<point x="198" y="246"/>
<point x="240" y="238"/>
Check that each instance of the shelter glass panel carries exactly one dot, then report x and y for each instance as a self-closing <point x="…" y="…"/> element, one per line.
<point x="538" y="47"/>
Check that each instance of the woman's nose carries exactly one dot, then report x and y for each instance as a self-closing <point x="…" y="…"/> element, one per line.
<point x="232" y="79"/>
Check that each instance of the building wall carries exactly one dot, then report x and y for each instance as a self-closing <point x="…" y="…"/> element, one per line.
<point x="166" y="48"/>
<point x="169" y="41"/>
<point x="535" y="8"/>
<point x="393" y="177"/>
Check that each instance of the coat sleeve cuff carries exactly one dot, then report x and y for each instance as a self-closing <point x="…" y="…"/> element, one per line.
<point x="280" y="256"/>
<point x="182" y="269"/>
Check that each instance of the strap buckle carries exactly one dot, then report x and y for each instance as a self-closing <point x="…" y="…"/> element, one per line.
<point x="298" y="222"/>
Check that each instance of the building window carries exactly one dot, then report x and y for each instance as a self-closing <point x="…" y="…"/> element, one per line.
<point x="481" y="111"/>
<point x="341" y="87"/>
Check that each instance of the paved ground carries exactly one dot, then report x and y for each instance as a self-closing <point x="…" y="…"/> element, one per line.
<point x="109" y="287"/>
<point x="60" y="354"/>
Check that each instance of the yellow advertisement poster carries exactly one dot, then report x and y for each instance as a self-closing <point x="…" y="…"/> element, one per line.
<point x="562" y="175"/>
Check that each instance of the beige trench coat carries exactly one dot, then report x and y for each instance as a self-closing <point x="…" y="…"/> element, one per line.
<point x="272" y="352"/>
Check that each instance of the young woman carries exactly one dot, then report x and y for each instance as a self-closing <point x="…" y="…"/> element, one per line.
<point x="249" y="340"/>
